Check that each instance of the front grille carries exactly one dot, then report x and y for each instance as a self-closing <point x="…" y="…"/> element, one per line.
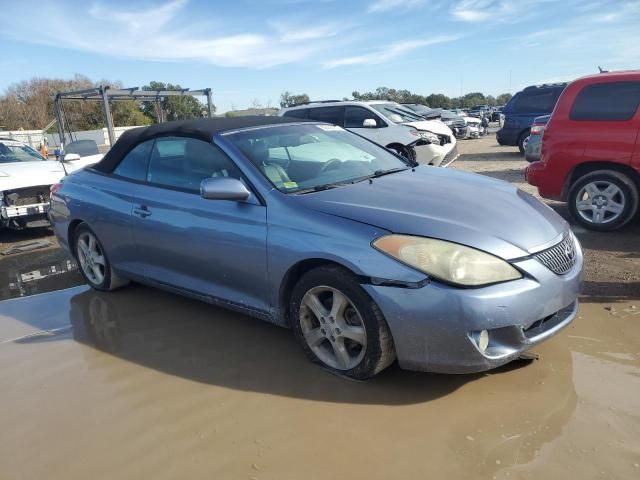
<point x="27" y="196"/>
<point x="450" y="157"/>
<point x="561" y="257"/>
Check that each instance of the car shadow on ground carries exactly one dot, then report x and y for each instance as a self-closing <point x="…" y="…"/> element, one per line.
<point x="492" y="156"/>
<point x="199" y="342"/>
<point x="9" y="236"/>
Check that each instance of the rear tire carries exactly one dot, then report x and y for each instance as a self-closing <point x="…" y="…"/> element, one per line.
<point x="93" y="261"/>
<point x="603" y="200"/>
<point x="338" y="325"/>
<point x="522" y="141"/>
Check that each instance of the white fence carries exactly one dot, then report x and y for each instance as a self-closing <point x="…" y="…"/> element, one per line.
<point x="34" y="137"/>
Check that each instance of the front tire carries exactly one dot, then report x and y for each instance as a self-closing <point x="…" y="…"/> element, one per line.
<point x="93" y="261"/>
<point x="406" y="152"/>
<point x="338" y="325"/>
<point x="603" y="200"/>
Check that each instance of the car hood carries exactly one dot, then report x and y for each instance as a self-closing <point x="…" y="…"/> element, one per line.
<point x="465" y="208"/>
<point x="433" y="126"/>
<point x="28" y="174"/>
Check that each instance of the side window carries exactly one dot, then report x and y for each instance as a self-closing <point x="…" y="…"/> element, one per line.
<point x="134" y="163"/>
<point x="355" y="116"/>
<point x="327" y="114"/>
<point x="298" y="113"/>
<point x="536" y="101"/>
<point x="183" y="163"/>
<point x="607" y="101"/>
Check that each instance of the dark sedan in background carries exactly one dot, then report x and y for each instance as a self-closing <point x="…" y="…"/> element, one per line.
<point x="534" y="142"/>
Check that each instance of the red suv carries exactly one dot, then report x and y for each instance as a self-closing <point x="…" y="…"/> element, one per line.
<point x="590" y="155"/>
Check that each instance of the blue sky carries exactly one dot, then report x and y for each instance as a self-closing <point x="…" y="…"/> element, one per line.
<point x="252" y="50"/>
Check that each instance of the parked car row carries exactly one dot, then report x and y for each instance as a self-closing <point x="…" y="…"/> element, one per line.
<point x="462" y="125"/>
<point x="26" y="177"/>
<point x="388" y="124"/>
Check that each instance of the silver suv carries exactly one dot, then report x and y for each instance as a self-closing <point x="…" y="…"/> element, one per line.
<point x="388" y="124"/>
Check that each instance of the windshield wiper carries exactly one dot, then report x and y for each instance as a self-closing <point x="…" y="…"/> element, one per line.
<point x="380" y="173"/>
<point x="319" y="188"/>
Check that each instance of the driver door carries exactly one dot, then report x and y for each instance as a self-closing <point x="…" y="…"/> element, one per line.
<point x="214" y="248"/>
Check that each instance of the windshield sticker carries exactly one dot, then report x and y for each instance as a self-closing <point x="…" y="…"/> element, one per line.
<point x="290" y="185"/>
<point x="330" y="128"/>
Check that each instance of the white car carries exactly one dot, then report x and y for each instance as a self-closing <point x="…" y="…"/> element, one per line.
<point x="388" y="124"/>
<point x="25" y="180"/>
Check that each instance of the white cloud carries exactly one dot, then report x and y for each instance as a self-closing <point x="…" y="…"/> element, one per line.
<point x="388" y="52"/>
<point x="496" y="11"/>
<point x="163" y="32"/>
<point x="387" y="5"/>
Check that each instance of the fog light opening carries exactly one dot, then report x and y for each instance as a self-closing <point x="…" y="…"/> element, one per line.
<point x="483" y="340"/>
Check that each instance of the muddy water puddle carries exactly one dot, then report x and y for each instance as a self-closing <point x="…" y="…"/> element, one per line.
<point x="143" y="384"/>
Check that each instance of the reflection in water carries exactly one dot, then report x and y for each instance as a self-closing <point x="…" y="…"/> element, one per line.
<point x="37" y="272"/>
<point x="155" y="375"/>
<point x="510" y="413"/>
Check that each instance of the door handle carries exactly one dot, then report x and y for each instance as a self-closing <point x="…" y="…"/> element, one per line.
<point x="141" y="211"/>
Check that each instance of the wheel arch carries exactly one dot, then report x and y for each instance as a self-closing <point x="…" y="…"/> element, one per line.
<point x="291" y="277"/>
<point x="396" y="144"/>
<point x="587" y="167"/>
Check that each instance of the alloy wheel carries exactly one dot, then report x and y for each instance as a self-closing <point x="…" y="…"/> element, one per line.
<point x="600" y="202"/>
<point x="91" y="258"/>
<point x="333" y="328"/>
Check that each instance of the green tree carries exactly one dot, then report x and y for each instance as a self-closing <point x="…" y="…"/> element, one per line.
<point x="438" y="100"/>
<point x="174" y="107"/>
<point x="287" y="99"/>
<point x="127" y="113"/>
<point x="503" y="98"/>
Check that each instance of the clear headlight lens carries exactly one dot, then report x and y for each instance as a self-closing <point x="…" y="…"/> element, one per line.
<point x="447" y="261"/>
<point x="431" y="137"/>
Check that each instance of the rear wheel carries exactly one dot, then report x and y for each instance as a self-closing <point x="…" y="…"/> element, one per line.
<point x="94" y="263"/>
<point x="603" y="200"/>
<point x="338" y="325"/>
<point x="522" y="141"/>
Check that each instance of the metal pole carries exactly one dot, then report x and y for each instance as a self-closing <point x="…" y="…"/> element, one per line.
<point x="107" y="114"/>
<point x="209" y="103"/>
<point x="159" y="112"/>
<point x="56" y="111"/>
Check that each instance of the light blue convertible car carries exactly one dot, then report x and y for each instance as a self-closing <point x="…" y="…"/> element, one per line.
<point x="367" y="257"/>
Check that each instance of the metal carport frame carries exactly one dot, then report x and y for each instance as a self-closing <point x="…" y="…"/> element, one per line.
<point x="104" y="94"/>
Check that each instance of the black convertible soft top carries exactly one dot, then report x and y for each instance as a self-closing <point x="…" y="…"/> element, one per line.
<point x="201" y="128"/>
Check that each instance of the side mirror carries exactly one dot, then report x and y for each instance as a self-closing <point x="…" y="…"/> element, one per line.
<point x="369" y="123"/>
<point x="69" y="157"/>
<point x="223" y="188"/>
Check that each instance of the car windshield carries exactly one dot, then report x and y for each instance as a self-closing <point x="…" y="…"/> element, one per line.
<point x="396" y="113"/>
<point x="312" y="157"/>
<point x="18" y="153"/>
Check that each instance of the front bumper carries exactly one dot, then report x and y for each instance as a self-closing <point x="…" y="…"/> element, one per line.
<point x="435" y="327"/>
<point x="436" y="155"/>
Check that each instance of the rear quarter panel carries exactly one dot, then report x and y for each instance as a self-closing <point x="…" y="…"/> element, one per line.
<point x="104" y="203"/>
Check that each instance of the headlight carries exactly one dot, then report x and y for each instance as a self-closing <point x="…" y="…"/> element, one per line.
<point x="447" y="261"/>
<point x="431" y="137"/>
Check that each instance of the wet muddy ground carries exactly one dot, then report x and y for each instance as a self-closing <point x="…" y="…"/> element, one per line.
<point x="143" y="384"/>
